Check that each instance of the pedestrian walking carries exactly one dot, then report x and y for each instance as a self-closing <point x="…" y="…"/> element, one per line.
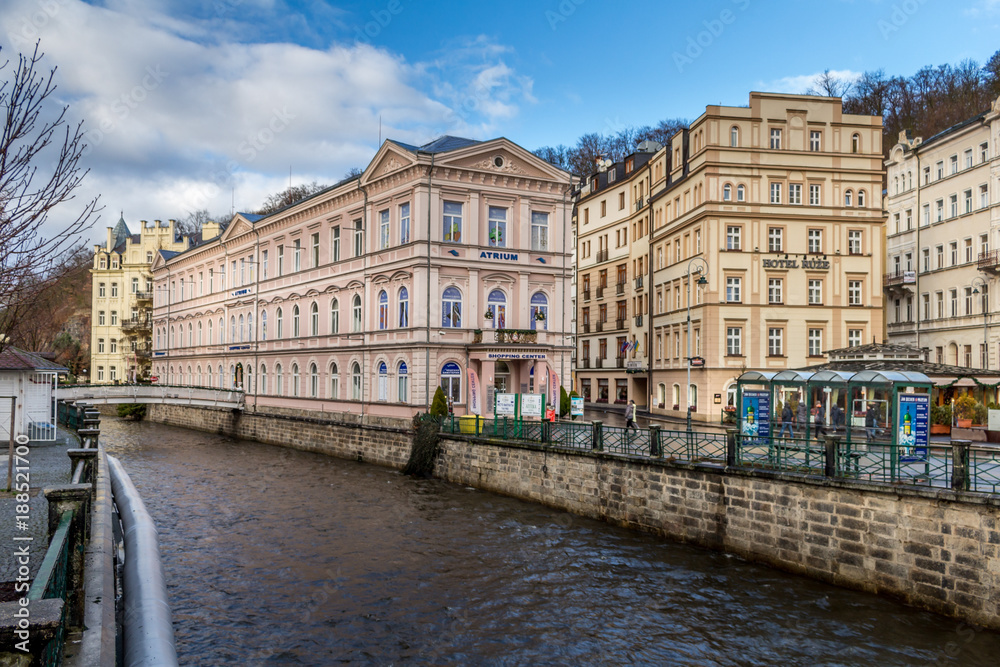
<point x="630" y="415"/>
<point x="787" y="418"/>
<point x="818" y="419"/>
<point x="871" y="420"/>
<point x="801" y="414"/>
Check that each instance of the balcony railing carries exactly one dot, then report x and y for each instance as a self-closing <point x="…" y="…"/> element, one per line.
<point x="141" y="324"/>
<point x="620" y="288"/>
<point x="517" y="336"/>
<point x="598" y="363"/>
<point x="638" y="320"/>
<point x="639" y="203"/>
<point x="600" y="292"/>
<point x="586" y="295"/>
<point x="144" y="296"/>
<point x="989" y="261"/>
<point x="620" y="324"/>
<point x="585" y="363"/>
<point x="620" y="362"/>
<point x="898" y="279"/>
<point x="602" y="256"/>
<point x="586" y="327"/>
<point x="599" y="327"/>
<point x="638" y="282"/>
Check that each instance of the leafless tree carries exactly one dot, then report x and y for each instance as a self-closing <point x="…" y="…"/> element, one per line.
<point x="829" y="85"/>
<point x="288" y="196"/>
<point x="39" y="171"/>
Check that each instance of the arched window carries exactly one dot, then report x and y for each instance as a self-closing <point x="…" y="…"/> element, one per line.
<point x="263" y="325"/>
<point x="676" y="397"/>
<point x="895" y="182"/>
<point x="249" y="326"/>
<point x="314" y="319"/>
<point x="661" y="395"/>
<point x="199" y="338"/>
<point x="242" y="329"/>
<point x="295" y="321"/>
<point x="279" y="320"/>
<point x="856" y="143"/>
<point x="279" y="381"/>
<point x="403" y="377"/>
<point x="727" y="192"/>
<point x="451" y="308"/>
<point x="539" y="311"/>
<point x="383" y="382"/>
<point x="222" y="333"/>
<point x="210" y="332"/>
<point x="693" y="396"/>
<point x="451" y="381"/>
<point x="170" y="375"/>
<point x="232" y="376"/>
<point x="190" y="335"/>
<point x="295" y="379"/>
<point x="222" y="377"/>
<point x="262" y="387"/>
<point x="741" y="193"/>
<point x="356" y="314"/>
<point x="313" y="381"/>
<point x="232" y="329"/>
<point x="334" y="382"/>
<point x="198" y="379"/>
<point x="404" y="308"/>
<point x="734" y="136"/>
<point x="248" y="385"/>
<point x="861" y="198"/>
<point x="334" y="316"/>
<point x="356" y="381"/>
<point x="383" y="310"/>
<point x="496" y="307"/>
<point x="190" y="377"/>
<point x="171" y="335"/>
<point x="848" y="196"/>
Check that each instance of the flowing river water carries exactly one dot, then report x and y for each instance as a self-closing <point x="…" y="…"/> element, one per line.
<point x="280" y="557"/>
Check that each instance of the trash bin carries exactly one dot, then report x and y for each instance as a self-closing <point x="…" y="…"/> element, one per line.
<point x="471" y="424"/>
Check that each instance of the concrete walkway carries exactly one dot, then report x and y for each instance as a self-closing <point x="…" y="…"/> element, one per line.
<point x="48" y="466"/>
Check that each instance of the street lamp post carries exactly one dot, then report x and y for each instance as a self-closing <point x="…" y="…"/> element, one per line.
<point x="702" y="281"/>
<point x="978" y="282"/>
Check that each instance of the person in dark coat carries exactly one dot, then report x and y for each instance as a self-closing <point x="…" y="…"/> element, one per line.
<point x="787" y="418"/>
<point x="836" y="416"/>
<point x="871" y="421"/>
<point x="801" y="414"/>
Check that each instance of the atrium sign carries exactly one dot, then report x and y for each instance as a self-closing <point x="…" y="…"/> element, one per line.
<point x="504" y="256"/>
<point x="808" y="264"/>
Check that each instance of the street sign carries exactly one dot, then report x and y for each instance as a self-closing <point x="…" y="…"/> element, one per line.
<point x="697" y="362"/>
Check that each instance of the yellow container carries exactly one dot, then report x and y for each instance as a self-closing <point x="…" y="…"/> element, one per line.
<point x="467" y="424"/>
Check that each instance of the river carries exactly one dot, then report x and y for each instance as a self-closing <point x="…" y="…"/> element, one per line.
<point x="280" y="557"/>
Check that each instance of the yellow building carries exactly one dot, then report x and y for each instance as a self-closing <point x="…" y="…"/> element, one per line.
<point x="121" y="329"/>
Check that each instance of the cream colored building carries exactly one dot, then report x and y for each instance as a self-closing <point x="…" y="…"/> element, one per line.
<point x="612" y="273"/>
<point x="122" y="300"/>
<point x="778" y="205"/>
<point x="943" y="229"/>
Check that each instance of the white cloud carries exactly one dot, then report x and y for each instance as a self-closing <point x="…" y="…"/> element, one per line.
<point x="802" y="83"/>
<point x="178" y="119"/>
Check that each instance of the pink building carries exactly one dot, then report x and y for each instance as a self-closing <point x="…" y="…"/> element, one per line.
<point x="364" y="298"/>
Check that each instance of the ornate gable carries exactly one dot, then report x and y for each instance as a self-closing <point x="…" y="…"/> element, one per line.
<point x="237" y="227"/>
<point x="388" y="161"/>
<point x="503" y="158"/>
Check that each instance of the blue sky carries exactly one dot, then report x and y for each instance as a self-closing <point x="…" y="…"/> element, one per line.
<point x="196" y="104"/>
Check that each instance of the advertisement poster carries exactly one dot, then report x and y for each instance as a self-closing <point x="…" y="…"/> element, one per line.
<point x="474" y="390"/>
<point x="576" y="406"/>
<point x="755" y="418"/>
<point x="506" y="405"/>
<point x="911" y="430"/>
<point x="553" y="386"/>
<point x="531" y="405"/>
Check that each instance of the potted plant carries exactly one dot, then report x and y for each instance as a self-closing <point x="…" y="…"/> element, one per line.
<point x="489" y="313"/>
<point x="539" y="315"/>
<point x="965" y="410"/>
<point x="940" y="419"/>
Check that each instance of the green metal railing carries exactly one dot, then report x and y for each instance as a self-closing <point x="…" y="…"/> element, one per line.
<point x="984" y="467"/>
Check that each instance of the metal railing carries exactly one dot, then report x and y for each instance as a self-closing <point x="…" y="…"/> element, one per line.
<point x="958" y="465"/>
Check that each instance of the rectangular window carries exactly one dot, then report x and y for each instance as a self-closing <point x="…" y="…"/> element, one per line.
<point x="281" y="265"/>
<point x="854" y="242"/>
<point x="334" y="244"/>
<point x="953" y="205"/>
<point x="359" y="238"/>
<point x="815" y="241"/>
<point x="984" y="196"/>
<point x="954" y="164"/>
<point x="814" y="136"/>
<point x="794" y="193"/>
<point x="968" y="250"/>
<point x="968" y="159"/>
<point x="452" y="222"/>
<point x="926" y="300"/>
<point x="497" y="220"/>
<point x="733" y="237"/>
<point x="775" y="138"/>
<point x="968" y="300"/>
<point x="297" y="256"/>
<point x="939" y="300"/>
<point x="815" y="342"/>
<point x="775" y="341"/>
<point x="404" y="223"/>
<point x="854" y="292"/>
<point x="939" y="169"/>
<point x="315" y="250"/>
<point x="854" y="337"/>
<point x="263" y="267"/>
<point x="775" y="193"/>
<point x="925" y="254"/>
<point x="540" y="231"/>
<point x="775" y="239"/>
<point x="383" y="229"/>
<point x="734" y="341"/>
<point x="953" y="247"/>
<point x="814" y="195"/>
<point x="733" y="289"/>
<point x="968" y="201"/>
<point x="815" y="292"/>
<point x="774" y="290"/>
<point x="953" y="300"/>
<point x="909" y="219"/>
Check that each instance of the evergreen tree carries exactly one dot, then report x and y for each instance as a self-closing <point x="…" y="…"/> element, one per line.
<point x="439" y="406"/>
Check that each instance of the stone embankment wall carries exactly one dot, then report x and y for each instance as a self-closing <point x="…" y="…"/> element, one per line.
<point x="936" y="549"/>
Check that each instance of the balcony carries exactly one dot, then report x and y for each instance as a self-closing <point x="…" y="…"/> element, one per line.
<point x="621" y="323"/>
<point x="619" y="362"/>
<point x="639" y="203"/>
<point x="586" y="327"/>
<point x="602" y="256"/>
<point x="598" y="363"/>
<point x="899" y="282"/>
<point x="620" y="288"/>
<point x="517" y="336"/>
<point x="137" y="325"/>
<point x="144" y="296"/>
<point x="600" y="292"/>
<point x="143" y="352"/>
<point x="638" y="320"/>
<point x="599" y="327"/>
<point x="586" y="295"/>
<point x="584" y="363"/>
<point x="638" y="282"/>
<point x="989" y="261"/>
